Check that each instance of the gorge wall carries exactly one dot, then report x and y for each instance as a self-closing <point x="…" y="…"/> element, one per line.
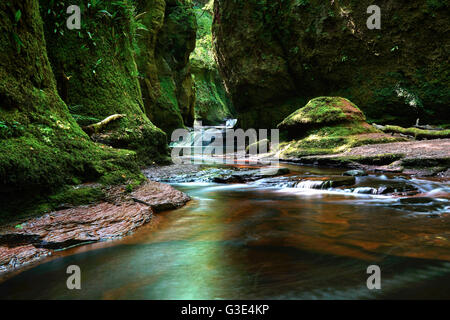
<point x="276" y="55"/>
<point x="97" y="75"/>
<point x="41" y="145"/>
<point x="163" y="62"/>
<point x="56" y="82"/>
<point x="212" y="104"/>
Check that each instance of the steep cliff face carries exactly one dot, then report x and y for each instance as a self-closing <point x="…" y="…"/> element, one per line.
<point x="97" y="74"/>
<point x="212" y="103"/>
<point x="41" y="146"/>
<point x="276" y="55"/>
<point x="163" y="62"/>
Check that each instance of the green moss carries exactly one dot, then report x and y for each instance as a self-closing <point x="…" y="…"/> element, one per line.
<point x="345" y="129"/>
<point x="324" y="110"/>
<point x="443" y="163"/>
<point x="212" y="104"/>
<point x="42" y="149"/>
<point x="418" y="133"/>
<point x="75" y="196"/>
<point x="163" y="62"/>
<point x="97" y="75"/>
<point x="317" y="135"/>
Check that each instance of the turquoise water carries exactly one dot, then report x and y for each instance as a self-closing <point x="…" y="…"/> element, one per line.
<point x="248" y="241"/>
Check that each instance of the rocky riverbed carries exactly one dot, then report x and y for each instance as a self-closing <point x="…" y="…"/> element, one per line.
<point x="419" y="158"/>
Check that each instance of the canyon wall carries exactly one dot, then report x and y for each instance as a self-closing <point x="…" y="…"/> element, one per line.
<point x="276" y="55"/>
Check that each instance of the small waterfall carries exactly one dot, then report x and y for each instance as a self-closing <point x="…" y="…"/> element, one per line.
<point x="201" y="136"/>
<point x="310" y="184"/>
<point x="230" y="123"/>
<point x="426" y="186"/>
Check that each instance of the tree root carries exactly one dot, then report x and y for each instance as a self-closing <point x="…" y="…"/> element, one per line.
<point x="100" y="126"/>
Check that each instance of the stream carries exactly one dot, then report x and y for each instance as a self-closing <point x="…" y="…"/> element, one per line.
<point x="274" y="238"/>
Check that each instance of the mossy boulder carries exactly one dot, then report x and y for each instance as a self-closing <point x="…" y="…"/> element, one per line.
<point x="97" y="75"/>
<point x="270" y="52"/>
<point x="327" y="125"/>
<point x="322" y="111"/>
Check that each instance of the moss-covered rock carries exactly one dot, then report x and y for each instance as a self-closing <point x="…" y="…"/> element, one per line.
<point x="97" y="74"/>
<point x="328" y="125"/>
<point x="417" y="133"/>
<point x="270" y="52"/>
<point x="163" y="62"/>
<point x="322" y="111"/>
<point x="42" y="148"/>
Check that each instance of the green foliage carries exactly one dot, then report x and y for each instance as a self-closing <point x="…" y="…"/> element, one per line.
<point x="95" y="14"/>
<point x="212" y="103"/>
<point x="437" y="4"/>
<point x="203" y="55"/>
<point x="11" y="129"/>
<point x="106" y="83"/>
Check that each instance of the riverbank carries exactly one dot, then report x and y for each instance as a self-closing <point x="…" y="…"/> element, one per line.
<point x="121" y="214"/>
<point x="124" y="211"/>
<point x="426" y="158"/>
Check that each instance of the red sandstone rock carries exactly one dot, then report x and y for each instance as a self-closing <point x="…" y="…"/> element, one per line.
<point x="160" y="196"/>
<point x="88" y="223"/>
<point x="64" y="228"/>
<point x="10" y="258"/>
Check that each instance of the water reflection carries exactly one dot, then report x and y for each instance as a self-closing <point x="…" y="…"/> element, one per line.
<point x="250" y="242"/>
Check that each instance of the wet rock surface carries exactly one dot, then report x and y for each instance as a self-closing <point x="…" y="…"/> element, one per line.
<point x="11" y="258"/>
<point x="251" y="175"/>
<point x="160" y="197"/>
<point x="425" y="205"/>
<point x="221" y="174"/>
<point x="420" y="158"/>
<point x="61" y="229"/>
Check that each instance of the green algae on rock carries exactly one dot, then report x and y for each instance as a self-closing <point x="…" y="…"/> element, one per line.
<point x="417" y="133"/>
<point x="322" y="111"/>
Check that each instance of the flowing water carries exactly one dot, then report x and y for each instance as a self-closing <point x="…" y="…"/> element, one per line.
<point x="274" y="238"/>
